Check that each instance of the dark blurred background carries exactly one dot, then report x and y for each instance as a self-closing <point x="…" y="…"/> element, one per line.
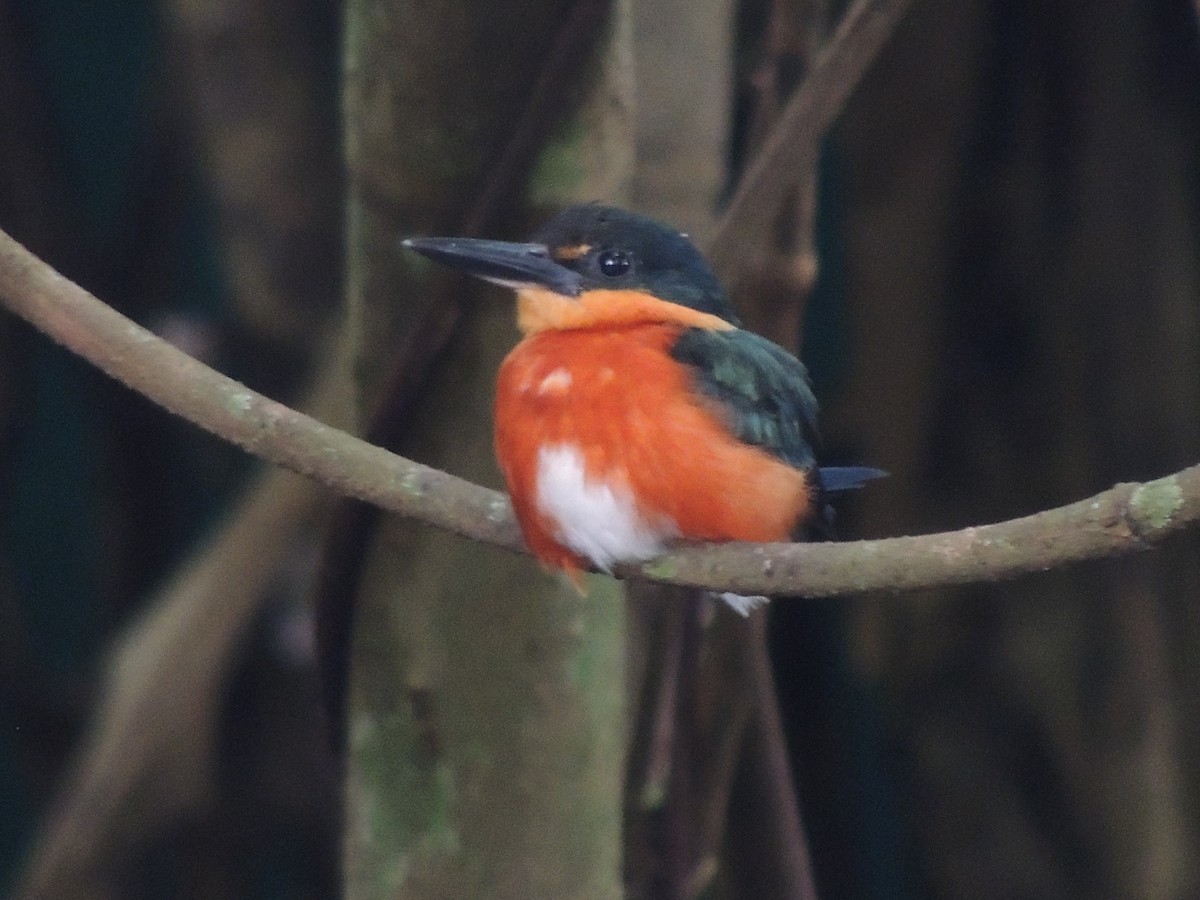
<point x="143" y="156"/>
<point x="1007" y="318"/>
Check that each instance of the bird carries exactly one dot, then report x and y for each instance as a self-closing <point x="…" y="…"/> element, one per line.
<point x="636" y="413"/>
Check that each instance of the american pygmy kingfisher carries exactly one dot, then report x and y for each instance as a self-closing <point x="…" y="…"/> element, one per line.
<point x="635" y="411"/>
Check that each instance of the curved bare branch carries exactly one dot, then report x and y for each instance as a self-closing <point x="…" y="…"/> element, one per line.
<point x="1126" y="518"/>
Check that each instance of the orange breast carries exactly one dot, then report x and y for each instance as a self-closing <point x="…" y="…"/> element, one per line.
<point x="637" y="422"/>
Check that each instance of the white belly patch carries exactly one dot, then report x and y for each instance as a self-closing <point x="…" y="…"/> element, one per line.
<point x="595" y="518"/>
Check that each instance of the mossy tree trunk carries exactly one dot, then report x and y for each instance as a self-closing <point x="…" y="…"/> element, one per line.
<point x="486" y="723"/>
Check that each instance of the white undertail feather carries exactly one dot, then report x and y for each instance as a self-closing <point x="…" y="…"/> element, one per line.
<point x="740" y="603"/>
<point x="597" y="519"/>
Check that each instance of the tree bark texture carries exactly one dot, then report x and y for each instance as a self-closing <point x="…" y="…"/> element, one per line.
<point x="486" y="725"/>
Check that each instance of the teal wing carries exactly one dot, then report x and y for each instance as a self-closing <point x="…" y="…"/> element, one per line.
<point x="762" y="390"/>
<point x="765" y="395"/>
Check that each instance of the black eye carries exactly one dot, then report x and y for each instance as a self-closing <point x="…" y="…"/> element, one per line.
<point x="614" y="263"/>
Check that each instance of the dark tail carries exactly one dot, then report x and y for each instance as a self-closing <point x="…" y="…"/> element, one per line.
<point x="847" y="478"/>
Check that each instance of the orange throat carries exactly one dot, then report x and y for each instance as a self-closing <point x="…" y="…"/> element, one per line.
<point x="539" y="309"/>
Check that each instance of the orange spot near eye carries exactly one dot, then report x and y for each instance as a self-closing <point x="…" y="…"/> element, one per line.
<point x="569" y="253"/>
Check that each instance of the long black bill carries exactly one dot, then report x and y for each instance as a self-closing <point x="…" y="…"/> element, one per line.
<point x="501" y="262"/>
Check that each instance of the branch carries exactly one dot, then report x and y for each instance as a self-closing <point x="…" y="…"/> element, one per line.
<point x="263" y="427"/>
<point x="1126" y="518"/>
<point x="792" y="147"/>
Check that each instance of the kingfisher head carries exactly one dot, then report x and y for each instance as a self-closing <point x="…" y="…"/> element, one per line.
<point x="594" y="265"/>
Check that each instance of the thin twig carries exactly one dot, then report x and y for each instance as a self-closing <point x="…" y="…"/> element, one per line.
<point x="772" y="297"/>
<point x="727" y="682"/>
<point x="1127" y="518"/>
<point x="795" y="140"/>
<point x="772" y="788"/>
<point x="652" y="737"/>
